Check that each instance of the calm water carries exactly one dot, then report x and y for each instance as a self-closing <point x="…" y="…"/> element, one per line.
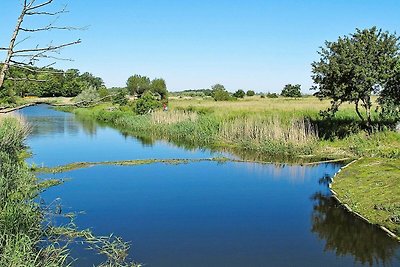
<point x="201" y="214"/>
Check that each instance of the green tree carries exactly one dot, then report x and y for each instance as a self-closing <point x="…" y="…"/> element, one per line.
<point x="239" y="94"/>
<point x="159" y="86"/>
<point x="91" y="80"/>
<point x="138" y="84"/>
<point x="146" y="103"/>
<point x="354" y="67"/>
<point x="250" y="93"/>
<point x="291" y="90"/>
<point x="219" y="93"/>
<point x="389" y="97"/>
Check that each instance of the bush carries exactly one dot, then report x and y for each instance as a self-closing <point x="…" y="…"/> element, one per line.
<point x="250" y="93"/>
<point x="146" y="104"/>
<point x="291" y="90"/>
<point x="272" y="95"/>
<point x="239" y="94"/>
<point x="219" y="93"/>
<point x="88" y="96"/>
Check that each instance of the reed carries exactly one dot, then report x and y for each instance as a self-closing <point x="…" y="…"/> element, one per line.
<point x="172" y="117"/>
<point x="259" y="130"/>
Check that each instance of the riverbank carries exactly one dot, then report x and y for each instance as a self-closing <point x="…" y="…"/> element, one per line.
<point x="370" y="188"/>
<point x="198" y="126"/>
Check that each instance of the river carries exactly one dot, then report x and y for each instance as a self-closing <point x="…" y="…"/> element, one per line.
<point x="202" y="213"/>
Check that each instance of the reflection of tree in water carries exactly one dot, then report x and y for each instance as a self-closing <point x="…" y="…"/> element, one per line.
<point x="89" y="125"/>
<point x="59" y="125"/>
<point x="346" y="234"/>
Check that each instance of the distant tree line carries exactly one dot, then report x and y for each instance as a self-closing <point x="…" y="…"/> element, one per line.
<point x="46" y="82"/>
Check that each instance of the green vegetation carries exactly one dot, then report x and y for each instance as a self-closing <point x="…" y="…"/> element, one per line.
<point x="291" y="90"/>
<point x="137" y="85"/>
<point x="48" y="82"/>
<point x="28" y="236"/>
<point x="371" y="187"/>
<point x="250" y="93"/>
<point x="219" y="93"/>
<point x="357" y="66"/>
<point x="239" y="94"/>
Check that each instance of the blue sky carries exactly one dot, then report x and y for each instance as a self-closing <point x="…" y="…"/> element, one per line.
<point x="259" y="45"/>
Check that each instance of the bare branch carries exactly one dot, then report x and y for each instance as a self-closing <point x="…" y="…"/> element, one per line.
<point x="23" y="40"/>
<point x="25" y="79"/>
<point x="64" y="10"/>
<point x="49" y="28"/>
<point x="49" y="48"/>
<point x="32" y="7"/>
<point x="41" y="55"/>
<point x="21" y="65"/>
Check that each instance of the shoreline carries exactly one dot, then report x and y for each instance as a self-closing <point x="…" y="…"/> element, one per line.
<point x="334" y="194"/>
<point x="9" y="110"/>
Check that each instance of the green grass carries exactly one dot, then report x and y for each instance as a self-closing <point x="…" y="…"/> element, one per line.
<point x="371" y="187"/>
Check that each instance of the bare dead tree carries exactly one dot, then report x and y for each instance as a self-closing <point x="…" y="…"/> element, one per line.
<point x="27" y="57"/>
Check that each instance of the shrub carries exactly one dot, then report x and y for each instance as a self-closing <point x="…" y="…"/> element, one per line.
<point x="291" y="90"/>
<point x="272" y="95"/>
<point x="239" y="94"/>
<point x="250" y="93"/>
<point x="87" y="97"/>
<point x="219" y="93"/>
<point x="146" y="104"/>
<point x="120" y="98"/>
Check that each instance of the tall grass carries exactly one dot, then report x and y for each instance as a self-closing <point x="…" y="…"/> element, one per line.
<point x="20" y="217"/>
<point x="260" y="130"/>
<point x="172" y="117"/>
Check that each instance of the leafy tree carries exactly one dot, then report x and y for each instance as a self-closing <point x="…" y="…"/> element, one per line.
<point x="146" y="103"/>
<point x="91" y="80"/>
<point x="219" y="93"/>
<point x="138" y="84"/>
<point x="250" y="93"/>
<point x="159" y="86"/>
<point x="354" y="67"/>
<point x="239" y="94"/>
<point x="291" y="90"/>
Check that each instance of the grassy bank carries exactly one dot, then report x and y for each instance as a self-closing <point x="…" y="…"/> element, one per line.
<point x="371" y="187"/>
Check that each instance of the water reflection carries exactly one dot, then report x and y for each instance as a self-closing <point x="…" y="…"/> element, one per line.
<point x="59" y="138"/>
<point x="345" y="234"/>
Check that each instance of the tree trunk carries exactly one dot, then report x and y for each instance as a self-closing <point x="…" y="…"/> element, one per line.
<point x="11" y="46"/>
<point x="367" y="104"/>
<point x="358" y="112"/>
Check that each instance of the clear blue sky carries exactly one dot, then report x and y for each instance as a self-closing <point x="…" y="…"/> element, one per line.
<point x="252" y="44"/>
